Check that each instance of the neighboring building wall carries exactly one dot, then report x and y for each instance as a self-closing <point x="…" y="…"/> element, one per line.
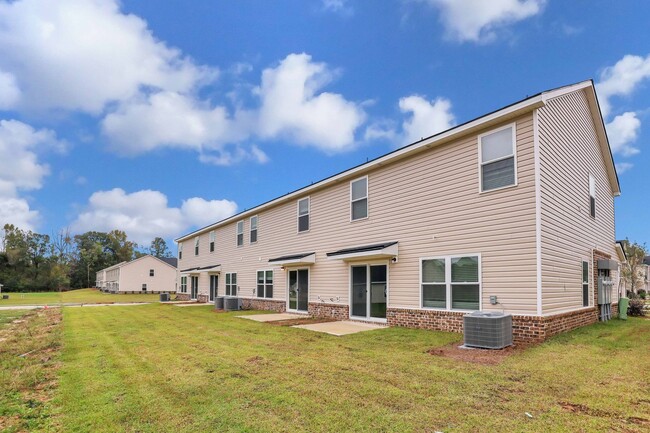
<point x="136" y="273"/>
<point x="569" y="153"/>
<point x="429" y="202"/>
<point x="112" y="279"/>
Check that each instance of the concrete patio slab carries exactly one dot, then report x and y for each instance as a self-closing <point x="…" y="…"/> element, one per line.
<point x="195" y="304"/>
<point x="273" y="317"/>
<point x="343" y="327"/>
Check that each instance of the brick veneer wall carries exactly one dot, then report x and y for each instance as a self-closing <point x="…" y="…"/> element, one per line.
<point x="183" y="296"/>
<point x="525" y="329"/>
<point x="267" y="304"/>
<point x="318" y="309"/>
<point x="203" y="298"/>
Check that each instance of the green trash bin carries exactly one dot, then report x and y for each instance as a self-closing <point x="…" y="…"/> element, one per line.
<point x="622" y="308"/>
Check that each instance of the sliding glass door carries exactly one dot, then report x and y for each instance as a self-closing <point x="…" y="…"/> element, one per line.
<point x="298" y="290"/>
<point x="369" y="291"/>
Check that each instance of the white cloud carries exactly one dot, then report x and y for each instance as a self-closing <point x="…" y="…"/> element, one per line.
<point x="293" y="108"/>
<point x="235" y="155"/>
<point x="146" y="214"/>
<point x="622" y="131"/>
<point x="622" y="167"/>
<point x="21" y="170"/>
<point x="338" y="6"/>
<point x="9" y="92"/>
<point x="92" y="52"/>
<point x="425" y="118"/>
<point x="622" y="79"/>
<point x="478" y="20"/>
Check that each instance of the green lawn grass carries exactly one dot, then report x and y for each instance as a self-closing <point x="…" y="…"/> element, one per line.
<point x="159" y="368"/>
<point x="7" y="316"/>
<point x="86" y="296"/>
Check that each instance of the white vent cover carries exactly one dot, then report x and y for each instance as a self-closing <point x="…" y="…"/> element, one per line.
<point x="488" y="330"/>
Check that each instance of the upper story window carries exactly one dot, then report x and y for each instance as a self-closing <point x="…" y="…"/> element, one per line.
<point x="359" y="199"/>
<point x="592" y="196"/>
<point x="151" y="272"/>
<point x="240" y="233"/>
<point x="180" y="251"/>
<point x="498" y="159"/>
<point x="264" y="284"/>
<point x="213" y="237"/>
<point x="253" y="222"/>
<point x="196" y="246"/>
<point x="303" y="215"/>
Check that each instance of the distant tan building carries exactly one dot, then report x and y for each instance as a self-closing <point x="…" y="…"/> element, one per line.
<point x="512" y="211"/>
<point x="146" y="274"/>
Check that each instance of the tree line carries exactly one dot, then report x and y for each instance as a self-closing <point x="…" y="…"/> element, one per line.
<point x="37" y="262"/>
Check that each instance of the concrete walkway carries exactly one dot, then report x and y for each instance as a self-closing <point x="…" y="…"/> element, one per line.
<point x="344" y="327"/>
<point x="274" y="317"/>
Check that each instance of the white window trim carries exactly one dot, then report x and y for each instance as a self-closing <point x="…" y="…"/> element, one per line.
<point x="225" y="284"/>
<point x="308" y="198"/>
<point x="197" y="245"/>
<point x="592" y="181"/>
<point x="448" y="282"/>
<point x="480" y="158"/>
<point x="212" y="242"/>
<point x="367" y="197"/>
<point x="250" y="229"/>
<point x="237" y="233"/>
<point x="180" y="251"/>
<point x="184" y="284"/>
<point x="265" y="285"/>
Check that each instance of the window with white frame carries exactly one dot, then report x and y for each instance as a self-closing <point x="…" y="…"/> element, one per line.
<point x="585" y="283"/>
<point x="451" y="282"/>
<point x="180" y="251"/>
<point x="359" y="199"/>
<point x="183" y="284"/>
<point x="144" y="287"/>
<point x="151" y="272"/>
<point x="303" y="215"/>
<point x="231" y="284"/>
<point x="264" y="284"/>
<point x="592" y="196"/>
<point x="196" y="246"/>
<point x="253" y="229"/>
<point x="498" y="159"/>
<point x="213" y="238"/>
<point x="240" y="233"/>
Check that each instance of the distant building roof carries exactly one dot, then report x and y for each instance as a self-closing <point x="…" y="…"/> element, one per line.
<point x="173" y="261"/>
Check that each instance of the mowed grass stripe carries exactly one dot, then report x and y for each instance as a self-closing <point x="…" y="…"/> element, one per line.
<point x="164" y="368"/>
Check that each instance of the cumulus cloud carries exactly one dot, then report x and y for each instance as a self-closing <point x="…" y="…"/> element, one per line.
<point x="622" y="79"/>
<point x="338" y="6"/>
<point x="94" y="55"/>
<point x="622" y="132"/>
<point x="479" y="20"/>
<point x="21" y="170"/>
<point x="9" y="91"/>
<point x="622" y="167"/>
<point x="145" y="214"/>
<point x="293" y="108"/>
<point x="425" y="118"/>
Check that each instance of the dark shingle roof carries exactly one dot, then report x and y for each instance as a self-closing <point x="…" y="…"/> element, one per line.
<point x="173" y="261"/>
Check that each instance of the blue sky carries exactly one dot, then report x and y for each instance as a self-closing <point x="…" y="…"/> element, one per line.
<point x="158" y="117"/>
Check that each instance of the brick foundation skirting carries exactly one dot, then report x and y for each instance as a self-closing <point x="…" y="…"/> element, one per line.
<point x="267" y="304"/>
<point x="525" y="329"/>
<point x="318" y="309"/>
<point x="183" y="296"/>
<point x="203" y="298"/>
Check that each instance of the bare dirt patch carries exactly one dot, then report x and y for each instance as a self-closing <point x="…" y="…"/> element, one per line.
<point x="475" y="355"/>
<point x="586" y="410"/>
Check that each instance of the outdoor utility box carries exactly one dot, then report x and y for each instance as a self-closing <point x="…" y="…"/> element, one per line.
<point x="607" y="264"/>
<point x="218" y="303"/>
<point x="487" y="330"/>
<point x="164" y="297"/>
<point x="231" y="304"/>
<point x="605" y="285"/>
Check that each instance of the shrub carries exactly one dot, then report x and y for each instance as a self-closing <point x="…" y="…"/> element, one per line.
<point x="642" y="294"/>
<point x="635" y="308"/>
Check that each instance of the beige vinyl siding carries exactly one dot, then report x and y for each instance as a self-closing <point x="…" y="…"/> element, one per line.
<point x="429" y="202"/>
<point x="569" y="153"/>
<point x="136" y="273"/>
